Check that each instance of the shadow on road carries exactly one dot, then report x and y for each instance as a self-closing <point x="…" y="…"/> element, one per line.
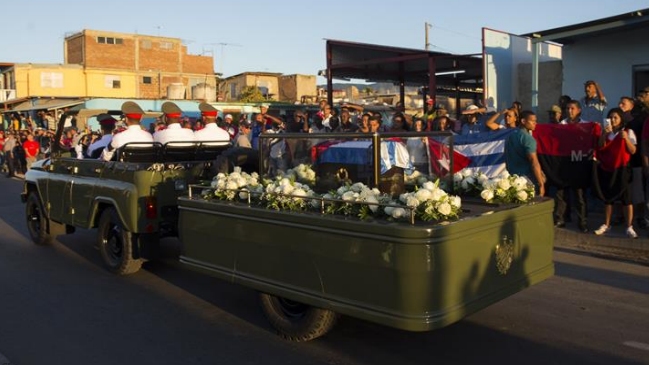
<point x="610" y="278"/>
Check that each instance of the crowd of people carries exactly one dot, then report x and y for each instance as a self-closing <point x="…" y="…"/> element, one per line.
<point x="623" y="137"/>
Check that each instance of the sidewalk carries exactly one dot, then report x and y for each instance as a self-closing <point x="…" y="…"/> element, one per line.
<point x="613" y="244"/>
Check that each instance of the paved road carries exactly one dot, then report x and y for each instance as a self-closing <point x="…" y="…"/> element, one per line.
<point x="59" y="306"/>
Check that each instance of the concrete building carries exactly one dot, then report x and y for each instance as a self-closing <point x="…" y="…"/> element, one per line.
<point x="613" y="51"/>
<point x="274" y="86"/>
<point x="100" y="64"/>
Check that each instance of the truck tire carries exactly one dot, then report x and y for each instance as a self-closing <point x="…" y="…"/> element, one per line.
<point x="37" y="222"/>
<point x="116" y="244"/>
<point x="296" y="321"/>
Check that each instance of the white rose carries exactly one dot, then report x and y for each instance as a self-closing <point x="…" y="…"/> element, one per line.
<point x="487" y="194"/>
<point x="372" y="199"/>
<point x="521" y="195"/>
<point x="388" y="210"/>
<point x="287" y="189"/>
<point x="398" y="213"/>
<point x="235" y="175"/>
<point x="501" y="192"/>
<point x="412" y="202"/>
<point x="376" y="191"/>
<point x="456" y="201"/>
<point x="444" y="209"/>
<point x="482" y="178"/>
<point x="231" y="185"/>
<point x="237" y="169"/>
<point x="341" y="190"/>
<point x="504" y="184"/>
<point x="457" y="177"/>
<point x="465" y="184"/>
<point x="470" y="180"/>
<point x="284" y="182"/>
<point x="220" y="175"/>
<point x="348" y="196"/>
<point x="243" y="195"/>
<point x="505" y="174"/>
<point x="437" y="194"/>
<point x="423" y="194"/>
<point x="357" y="187"/>
<point x="466" y="172"/>
<point x="299" y="192"/>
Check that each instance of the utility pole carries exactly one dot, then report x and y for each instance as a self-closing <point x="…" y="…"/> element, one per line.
<point x="426" y="27"/>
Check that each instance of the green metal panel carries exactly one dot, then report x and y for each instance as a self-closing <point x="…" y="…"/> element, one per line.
<point x="415" y="277"/>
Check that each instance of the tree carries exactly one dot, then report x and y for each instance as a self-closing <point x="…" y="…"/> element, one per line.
<point x="251" y="94"/>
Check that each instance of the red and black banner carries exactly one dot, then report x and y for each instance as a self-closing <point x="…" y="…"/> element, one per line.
<point x="566" y="152"/>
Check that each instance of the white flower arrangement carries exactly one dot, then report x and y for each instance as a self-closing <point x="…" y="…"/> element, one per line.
<point x="468" y="182"/>
<point x="303" y="173"/>
<point x="237" y="184"/>
<point x="429" y="202"/>
<point x="417" y="178"/>
<point x="284" y="193"/>
<point x="352" y="195"/>
<point x="508" y="188"/>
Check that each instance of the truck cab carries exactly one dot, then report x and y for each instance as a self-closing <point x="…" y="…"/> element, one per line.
<point x="131" y="200"/>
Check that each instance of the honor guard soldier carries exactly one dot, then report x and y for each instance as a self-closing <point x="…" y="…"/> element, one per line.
<point x="106" y="125"/>
<point x="211" y="132"/>
<point x="133" y="132"/>
<point x="174" y="131"/>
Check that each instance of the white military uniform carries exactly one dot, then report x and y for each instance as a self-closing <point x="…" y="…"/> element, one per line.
<point x="212" y="132"/>
<point x="102" y="142"/>
<point x="133" y="133"/>
<point x="174" y="133"/>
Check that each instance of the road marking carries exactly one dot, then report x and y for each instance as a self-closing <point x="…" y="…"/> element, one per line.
<point x="637" y="345"/>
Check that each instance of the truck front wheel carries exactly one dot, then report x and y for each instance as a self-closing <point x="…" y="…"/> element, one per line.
<point x="116" y="244"/>
<point x="37" y="222"/>
<point x="296" y="321"/>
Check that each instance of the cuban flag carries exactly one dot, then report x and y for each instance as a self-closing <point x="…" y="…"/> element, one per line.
<point x="484" y="152"/>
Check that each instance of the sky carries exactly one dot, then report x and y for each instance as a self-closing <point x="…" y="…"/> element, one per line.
<point x="286" y="36"/>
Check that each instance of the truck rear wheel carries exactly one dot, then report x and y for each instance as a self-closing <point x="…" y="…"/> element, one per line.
<point x="116" y="244"/>
<point x="37" y="222"/>
<point x="295" y="321"/>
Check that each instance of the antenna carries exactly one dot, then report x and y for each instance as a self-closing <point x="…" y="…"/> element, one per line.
<point x="223" y="45"/>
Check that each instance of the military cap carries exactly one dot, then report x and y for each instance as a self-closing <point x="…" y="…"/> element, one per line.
<point x="132" y="110"/>
<point x="207" y="110"/>
<point x="171" y="110"/>
<point x="106" y="120"/>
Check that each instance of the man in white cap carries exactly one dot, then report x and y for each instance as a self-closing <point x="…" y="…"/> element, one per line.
<point x="211" y="132"/>
<point x="227" y="126"/>
<point x="174" y="131"/>
<point x="133" y="133"/>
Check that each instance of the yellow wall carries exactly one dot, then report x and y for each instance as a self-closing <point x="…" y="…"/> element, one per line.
<point x="55" y="81"/>
<point x="97" y="87"/>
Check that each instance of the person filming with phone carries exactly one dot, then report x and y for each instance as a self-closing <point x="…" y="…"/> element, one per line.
<point x="613" y="174"/>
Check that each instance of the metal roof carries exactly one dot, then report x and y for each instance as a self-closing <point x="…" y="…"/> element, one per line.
<point x="44" y="104"/>
<point x="351" y="60"/>
<point x="614" y="24"/>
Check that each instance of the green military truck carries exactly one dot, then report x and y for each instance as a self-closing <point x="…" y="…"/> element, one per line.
<point x="131" y="200"/>
<point x="310" y="266"/>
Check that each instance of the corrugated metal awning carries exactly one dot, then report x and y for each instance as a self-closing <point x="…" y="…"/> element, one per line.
<point x="45" y="104"/>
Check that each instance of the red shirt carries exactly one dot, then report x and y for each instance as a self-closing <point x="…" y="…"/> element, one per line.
<point x="31" y="148"/>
